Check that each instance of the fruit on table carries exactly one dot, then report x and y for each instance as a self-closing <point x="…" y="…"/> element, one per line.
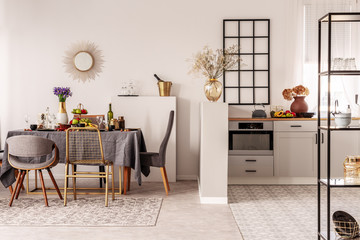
<point x="283" y="114"/>
<point x="74" y="121"/>
<point x="79" y="111"/>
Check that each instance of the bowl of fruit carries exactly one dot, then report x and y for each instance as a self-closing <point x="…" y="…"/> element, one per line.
<point x="80" y="122"/>
<point x="79" y="109"/>
<point x="284" y="114"/>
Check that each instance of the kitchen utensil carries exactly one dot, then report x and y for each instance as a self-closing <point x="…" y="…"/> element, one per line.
<point x="33" y="126"/>
<point x="259" y="113"/>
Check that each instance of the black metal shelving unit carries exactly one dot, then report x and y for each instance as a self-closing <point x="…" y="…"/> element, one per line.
<point x="328" y="182"/>
<point x="253" y="55"/>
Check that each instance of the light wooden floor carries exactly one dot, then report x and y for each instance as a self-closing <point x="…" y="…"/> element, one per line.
<point x="181" y="217"/>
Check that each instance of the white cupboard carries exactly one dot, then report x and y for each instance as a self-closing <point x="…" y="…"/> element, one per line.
<point x="295" y="149"/>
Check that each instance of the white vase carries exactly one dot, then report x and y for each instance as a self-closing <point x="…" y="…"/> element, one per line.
<point x="62" y="116"/>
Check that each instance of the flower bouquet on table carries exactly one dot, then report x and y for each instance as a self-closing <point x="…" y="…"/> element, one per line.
<point x="63" y="93"/>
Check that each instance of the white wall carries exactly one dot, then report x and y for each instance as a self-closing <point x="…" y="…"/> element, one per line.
<point x="138" y="38"/>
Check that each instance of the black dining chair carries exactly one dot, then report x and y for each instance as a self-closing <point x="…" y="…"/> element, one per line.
<point x="154" y="159"/>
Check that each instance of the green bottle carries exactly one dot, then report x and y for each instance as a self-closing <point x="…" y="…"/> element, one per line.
<point x="110" y="114"/>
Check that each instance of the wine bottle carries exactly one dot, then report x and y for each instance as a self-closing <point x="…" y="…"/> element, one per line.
<point x="110" y="114"/>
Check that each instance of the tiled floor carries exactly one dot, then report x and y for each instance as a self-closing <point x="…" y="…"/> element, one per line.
<point x="181" y="217"/>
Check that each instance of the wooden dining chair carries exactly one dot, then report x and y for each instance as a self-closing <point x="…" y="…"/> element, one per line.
<point x="94" y="120"/>
<point x="84" y="147"/>
<point x="28" y="146"/>
<point x="154" y="159"/>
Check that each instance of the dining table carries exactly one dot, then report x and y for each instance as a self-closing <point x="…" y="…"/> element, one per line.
<point x="120" y="147"/>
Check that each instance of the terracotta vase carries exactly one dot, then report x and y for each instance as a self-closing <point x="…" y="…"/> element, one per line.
<point x="299" y="105"/>
<point x="213" y="90"/>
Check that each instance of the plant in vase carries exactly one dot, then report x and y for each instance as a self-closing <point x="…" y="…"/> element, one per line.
<point x="297" y="93"/>
<point x="63" y="94"/>
<point x="212" y="65"/>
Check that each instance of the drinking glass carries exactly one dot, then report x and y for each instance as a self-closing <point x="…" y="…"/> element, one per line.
<point x="27" y="119"/>
<point x="52" y="120"/>
<point x="100" y="121"/>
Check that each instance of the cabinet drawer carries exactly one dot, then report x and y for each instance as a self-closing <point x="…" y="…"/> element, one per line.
<point x="295" y="126"/>
<point x="251" y="166"/>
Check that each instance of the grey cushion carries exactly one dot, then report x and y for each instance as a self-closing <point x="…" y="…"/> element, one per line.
<point x="150" y="159"/>
<point x="20" y="164"/>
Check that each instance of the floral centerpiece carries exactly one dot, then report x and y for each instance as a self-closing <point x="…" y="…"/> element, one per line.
<point x="212" y="65"/>
<point x="297" y="93"/>
<point x="63" y="93"/>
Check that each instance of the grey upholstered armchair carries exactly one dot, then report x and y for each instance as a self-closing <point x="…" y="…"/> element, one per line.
<point x="28" y="146"/>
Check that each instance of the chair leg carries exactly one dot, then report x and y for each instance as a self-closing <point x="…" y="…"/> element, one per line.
<point x="163" y="173"/>
<point x="20" y="184"/>
<point x="100" y="170"/>
<point x="112" y="182"/>
<point x="14" y="191"/>
<point x="66" y="183"/>
<point x="107" y="185"/>
<point x="120" y="181"/>
<point x="43" y="187"/>
<point x="125" y="179"/>
<point x="166" y="178"/>
<point x="129" y="178"/>
<point x="16" y="173"/>
<point x="74" y="180"/>
<point x="55" y="184"/>
<point x="10" y="189"/>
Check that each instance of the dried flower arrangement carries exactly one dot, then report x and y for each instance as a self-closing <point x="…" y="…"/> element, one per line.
<point x="212" y="64"/>
<point x="299" y="90"/>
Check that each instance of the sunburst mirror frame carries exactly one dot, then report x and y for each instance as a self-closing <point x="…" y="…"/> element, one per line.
<point x="83" y="61"/>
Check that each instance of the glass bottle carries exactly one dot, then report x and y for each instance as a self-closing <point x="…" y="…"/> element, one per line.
<point x="121" y="122"/>
<point x="109" y="114"/>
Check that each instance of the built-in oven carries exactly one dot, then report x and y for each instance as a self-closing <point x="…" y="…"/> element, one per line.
<point x="251" y="148"/>
<point x="251" y="138"/>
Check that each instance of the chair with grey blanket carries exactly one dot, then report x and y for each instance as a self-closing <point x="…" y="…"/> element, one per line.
<point x="153" y="159"/>
<point x="23" y="148"/>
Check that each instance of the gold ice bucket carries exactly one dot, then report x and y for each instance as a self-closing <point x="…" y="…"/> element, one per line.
<point x="164" y="88"/>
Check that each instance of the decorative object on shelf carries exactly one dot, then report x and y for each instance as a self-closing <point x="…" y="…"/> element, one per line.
<point x="352" y="169"/>
<point x="83" y="61"/>
<point x="345" y="225"/>
<point x="249" y="82"/>
<point x="212" y="65"/>
<point x="297" y="93"/>
<point x="63" y="94"/>
<point x="164" y="87"/>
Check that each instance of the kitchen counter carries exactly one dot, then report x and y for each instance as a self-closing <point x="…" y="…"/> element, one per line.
<point x="278" y="119"/>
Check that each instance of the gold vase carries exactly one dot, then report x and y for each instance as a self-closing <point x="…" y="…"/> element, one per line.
<point x="62" y="116"/>
<point x="213" y="90"/>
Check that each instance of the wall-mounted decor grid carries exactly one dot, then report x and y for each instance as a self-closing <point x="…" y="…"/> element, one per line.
<point x="249" y="82"/>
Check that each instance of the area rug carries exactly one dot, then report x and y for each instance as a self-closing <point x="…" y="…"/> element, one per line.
<point x="285" y="212"/>
<point x="89" y="212"/>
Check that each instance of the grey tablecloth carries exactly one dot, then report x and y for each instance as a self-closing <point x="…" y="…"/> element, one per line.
<point x="122" y="148"/>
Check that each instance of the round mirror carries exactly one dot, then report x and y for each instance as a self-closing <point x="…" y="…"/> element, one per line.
<point x="83" y="61"/>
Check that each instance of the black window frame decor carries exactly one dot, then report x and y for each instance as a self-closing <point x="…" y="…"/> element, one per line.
<point x="253" y="54"/>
